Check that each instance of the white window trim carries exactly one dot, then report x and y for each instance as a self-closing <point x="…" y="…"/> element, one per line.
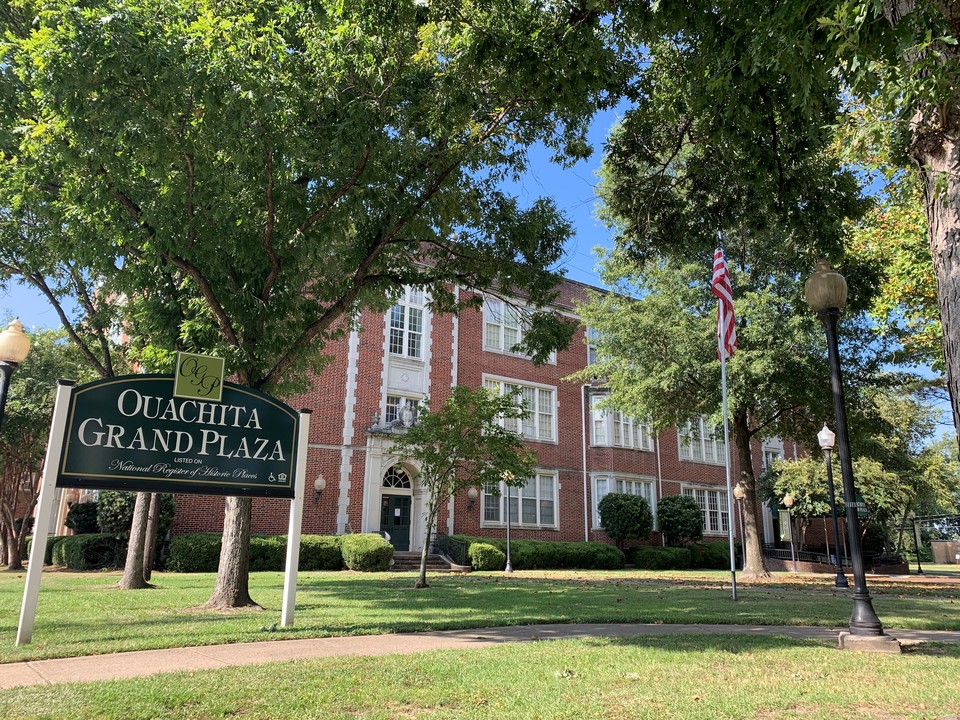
<point x="417" y="402"/>
<point x="536" y="386"/>
<point x="522" y="310"/>
<point x="611" y="478"/>
<point x="721" y="493"/>
<point x="515" y="522"/>
<point x="407" y="303"/>
<point x="700" y="435"/>
<point x="608" y="418"/>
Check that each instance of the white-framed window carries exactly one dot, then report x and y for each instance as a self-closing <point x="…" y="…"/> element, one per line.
<point x="504" y="327"/>
<point x="713" y="508"/>
<point x="612" y="427"/>
<point x="399" y="407"/>
<point x="771" y="450"/>
<point x="701" y="442"/>
<point x="406" y="324"/>
<point x="539" y="423"/>
<point x="592" y="335"/>
<point x="534" y="504"/>
<point x="606" y="483"/>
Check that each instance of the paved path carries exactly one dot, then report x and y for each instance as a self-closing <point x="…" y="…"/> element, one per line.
<point x="148" y="662"/>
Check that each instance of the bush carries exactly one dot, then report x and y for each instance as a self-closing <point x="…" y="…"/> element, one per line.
<point x="115" y="512"/>
<point x="661" y="558"/>
<point x="200" y="552"/>
<point x="484" y="556"/>
<point x="52" y="541"/>
<point x="711" y="555"/>
<point x="625" y="517"/>
<point x="89" y="552"/>
<point x="194" y="552"/>
<point x="680" y="519"/>
<point x="320" y="552"/>
<point x="546" y="555"/>
<point x="82" y="518"/>
<point x="367" y="552"/>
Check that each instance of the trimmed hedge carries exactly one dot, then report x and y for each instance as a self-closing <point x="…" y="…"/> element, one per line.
<point x="367" y="552"/>
<point x="711" y="555"/>
<point x="52" y="541"/>
<point x="200" y="552"/>
<point x="92" y="551"/>
<point x="661" y="558"/>
<point x="547" y="555"/>
<point x="484" y="556"/>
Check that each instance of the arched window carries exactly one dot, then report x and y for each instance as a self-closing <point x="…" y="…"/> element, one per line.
<point x="395" y="477"/>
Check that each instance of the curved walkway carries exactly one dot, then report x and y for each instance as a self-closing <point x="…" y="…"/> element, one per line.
<point x="149" y="662"/>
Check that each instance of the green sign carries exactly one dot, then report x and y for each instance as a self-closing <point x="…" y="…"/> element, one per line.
<point x="198" y="377"/>
<point x="131" y="433"/>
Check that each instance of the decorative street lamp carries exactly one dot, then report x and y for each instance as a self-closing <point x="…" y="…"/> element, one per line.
<point x="827" y="439"/>
<point x="826" y="294"/>
<point x="14" y="347"/>
<point x="507" y="479"/>
<point x="739" y="493"/>
<point x="788" y="503"/>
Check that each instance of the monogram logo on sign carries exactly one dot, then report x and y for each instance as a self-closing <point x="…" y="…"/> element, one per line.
<point x="198" y="377"/>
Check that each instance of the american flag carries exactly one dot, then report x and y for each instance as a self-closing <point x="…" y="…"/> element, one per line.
<point x="726" y="322"/>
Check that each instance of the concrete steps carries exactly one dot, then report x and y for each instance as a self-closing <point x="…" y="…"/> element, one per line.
<point x="410" y="562"/>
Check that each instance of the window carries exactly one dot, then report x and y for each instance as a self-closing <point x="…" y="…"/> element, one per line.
<point x="400" y="408"/>
<point x="535" y="503"/>
<point x="396" y="477"/>
<point x="771" y="450"/>
<point x="713" y="508"/>
<point x="504" y="327"/>
<point x="538" y="423"/>
<point x="699" y="443"/>
<point x="406" y="324"/>
<point x="592" y="336"/>
<point x="611" y="427"/>
<point x="605" y="484"/>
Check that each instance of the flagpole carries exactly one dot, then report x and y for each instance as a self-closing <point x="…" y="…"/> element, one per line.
<point x="726" y="462"/>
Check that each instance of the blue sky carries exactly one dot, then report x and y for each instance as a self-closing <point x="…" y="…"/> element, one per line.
<point x="571" y="188"/>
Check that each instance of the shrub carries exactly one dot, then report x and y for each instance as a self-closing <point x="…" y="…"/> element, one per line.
<point x="661" y="558"/>
<point x="89" y="552"/>
<point x="680" y="519"/>
<point x="115" y="512"/>
<point x="320" y="552"/>
<point x="484" y="556"/>
<point x="625" y="517"/>
<point x="200" y="552"/>
<point x="52" y="541"/>
<point x="367" y="552"/>
<point x="711" y="555"/>
<point x="82" y="518"/>
<point x="546" y="555"/>
<point x="194" y="552"/>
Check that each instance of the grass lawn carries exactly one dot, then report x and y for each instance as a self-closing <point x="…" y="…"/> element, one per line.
<point x="82" y="613"/>
<point x="683" y="677"/>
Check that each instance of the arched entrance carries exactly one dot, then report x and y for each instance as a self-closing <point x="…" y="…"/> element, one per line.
<point x="396" y="499"/>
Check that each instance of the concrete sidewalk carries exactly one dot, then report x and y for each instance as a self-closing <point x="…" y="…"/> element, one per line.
<point x="149" y="662"/>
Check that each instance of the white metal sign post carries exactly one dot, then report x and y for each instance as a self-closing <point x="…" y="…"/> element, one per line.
<point x="45" y="503"/>
<point x="296" y="518"/>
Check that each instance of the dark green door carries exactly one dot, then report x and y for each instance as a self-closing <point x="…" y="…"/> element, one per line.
<point x="395" y="519"/>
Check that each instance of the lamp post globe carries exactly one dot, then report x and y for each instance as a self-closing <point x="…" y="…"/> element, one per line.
<point x="14" y="348"/>
<point x="827" y="439"/>
<point x="826" y="294"/>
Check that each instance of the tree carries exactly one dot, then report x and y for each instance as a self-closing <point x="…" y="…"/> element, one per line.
<point x="463" y="442"/>
<point x="248" y="176"/>
<point x="775" y="379"/>
<point x="773" y="77"/>
<point x="625" y="517"/>
<point x="26" y="427"/>
<point x="680" y="519"/>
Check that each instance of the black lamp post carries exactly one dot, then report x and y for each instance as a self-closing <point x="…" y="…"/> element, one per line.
<point x="826" y="293"/>
<point x="739" y="493"/>
<point x="14" y="346"/>
<point x="827" y="438"/>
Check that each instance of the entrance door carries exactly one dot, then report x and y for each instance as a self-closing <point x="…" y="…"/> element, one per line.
<point x="395" y="519"/>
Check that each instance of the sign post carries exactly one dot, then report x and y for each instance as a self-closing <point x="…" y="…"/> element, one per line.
<point x="296" y="519"/>
<point x="41" y="523"/>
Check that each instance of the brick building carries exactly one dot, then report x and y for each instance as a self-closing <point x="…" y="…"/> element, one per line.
<point x="383" y="370"/>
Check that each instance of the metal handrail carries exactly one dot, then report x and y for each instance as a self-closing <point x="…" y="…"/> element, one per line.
<point x="454" y="548"/>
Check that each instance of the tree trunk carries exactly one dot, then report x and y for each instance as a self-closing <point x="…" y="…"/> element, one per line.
<point x="754" y="566"/>
<point x="233" y="576"/>
<point x="425" y="552"/>
<point x="150" y="543"/>
<point x="133" y="577"/>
